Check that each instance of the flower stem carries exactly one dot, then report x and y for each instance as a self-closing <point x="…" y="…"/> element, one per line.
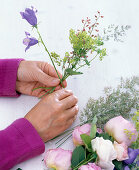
<point x="85" y="63"/>
<point x="49" y="55"/>
<point x="83" y="163"/>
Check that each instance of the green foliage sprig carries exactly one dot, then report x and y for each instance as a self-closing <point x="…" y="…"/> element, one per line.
<point x="135" y="119"/>
<point x="119" y="101"/>
<point x="115" y="32"/>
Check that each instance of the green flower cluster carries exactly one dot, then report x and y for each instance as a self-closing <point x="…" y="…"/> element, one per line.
<point x="135" y="119"/>
<point x="82" y="42"/>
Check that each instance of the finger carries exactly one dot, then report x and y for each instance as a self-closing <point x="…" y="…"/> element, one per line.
<point x="64" y="83"/>
<point x="69" y="102"/>
<point x="58" y="88"/>
<point x="47" y="80"/>
<point x="72" y="112"/>
<point x="49" y="69"/>
<point x="62" y="93"/>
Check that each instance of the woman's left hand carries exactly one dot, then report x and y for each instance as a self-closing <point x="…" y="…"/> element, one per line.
<point x="34" y="74"/>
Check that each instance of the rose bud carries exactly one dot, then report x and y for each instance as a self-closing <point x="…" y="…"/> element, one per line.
<point x="58" y="159"/>
<point x="84" y="129"/>
<point x="117" y="126"/>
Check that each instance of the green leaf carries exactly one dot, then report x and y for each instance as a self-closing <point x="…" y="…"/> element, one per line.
<point x="93" y="128"/>
<point x="118" y="164"/>
<point x="71" y="72"/>
<point x="106" y="136"/>
<point x="18" y="169"/>
<point x="87" y="141"/>
<point x="78" y="155"/>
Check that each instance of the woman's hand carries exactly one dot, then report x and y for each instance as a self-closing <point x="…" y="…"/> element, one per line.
<point x="53" y="114"/>
<point x="33" y="74"/>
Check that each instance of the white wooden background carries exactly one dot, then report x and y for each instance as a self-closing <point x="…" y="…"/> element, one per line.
<point x="56" y="18"/>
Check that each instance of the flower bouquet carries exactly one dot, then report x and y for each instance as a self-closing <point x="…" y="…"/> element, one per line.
<point x="96" y="150"/>
<point x="87" y="44"/>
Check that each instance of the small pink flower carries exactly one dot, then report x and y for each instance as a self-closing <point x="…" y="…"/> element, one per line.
<point x="99" y="130"/>
<point x="116" y="127"/>
<point x="90" y="166"/>
<point x="122" y="151"/>
<point x="59" y="159"/>
<point x="84" y="129"/>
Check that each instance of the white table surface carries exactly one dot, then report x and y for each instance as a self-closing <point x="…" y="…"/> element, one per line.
<point x="57" y="17"/>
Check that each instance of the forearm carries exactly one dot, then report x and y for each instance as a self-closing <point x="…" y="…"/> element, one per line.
<point x="19" y="142"/>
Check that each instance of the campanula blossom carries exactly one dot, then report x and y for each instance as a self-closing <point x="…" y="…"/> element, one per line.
<point x="126" y="168"/>
<point x="30" y="16"/>
<point x="29" y="41"/>
<point x="132" y="154"/>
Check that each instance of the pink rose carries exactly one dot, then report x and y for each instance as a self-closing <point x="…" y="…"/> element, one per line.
<point x="122" y="151"/>
<point x="84" y="129"/>
<point x="117" y="127"/>
<point x="59" y="159"/>
<point x="90" y="166"/>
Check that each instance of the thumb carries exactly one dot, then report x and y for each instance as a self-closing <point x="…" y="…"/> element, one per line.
<point x="47" y="80"/>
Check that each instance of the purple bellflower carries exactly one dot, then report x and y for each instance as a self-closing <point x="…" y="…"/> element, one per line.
<point x="132" y="154"/>
<point x="30" y="15"/>
<point x="29" y="41"/>
<point x="126" y="168"/>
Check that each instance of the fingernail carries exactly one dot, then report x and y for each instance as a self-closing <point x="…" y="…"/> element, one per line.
<point x="70" y="91"/>
<point x="55" y="81"/>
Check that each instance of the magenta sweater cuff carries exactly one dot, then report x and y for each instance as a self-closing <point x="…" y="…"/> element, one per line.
<point x="8" y="76"/>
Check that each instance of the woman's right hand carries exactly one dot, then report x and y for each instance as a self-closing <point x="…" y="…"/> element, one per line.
<point x="53" y="114"/>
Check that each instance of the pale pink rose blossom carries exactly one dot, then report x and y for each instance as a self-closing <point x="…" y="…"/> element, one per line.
<point x="122" y="151"/>
<point x="59" y="159"/>
<point x="105" y="151"/>
<point x="84" y="129"/>
<point x="90" y="166"/>
<point x="116" y="127"/>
